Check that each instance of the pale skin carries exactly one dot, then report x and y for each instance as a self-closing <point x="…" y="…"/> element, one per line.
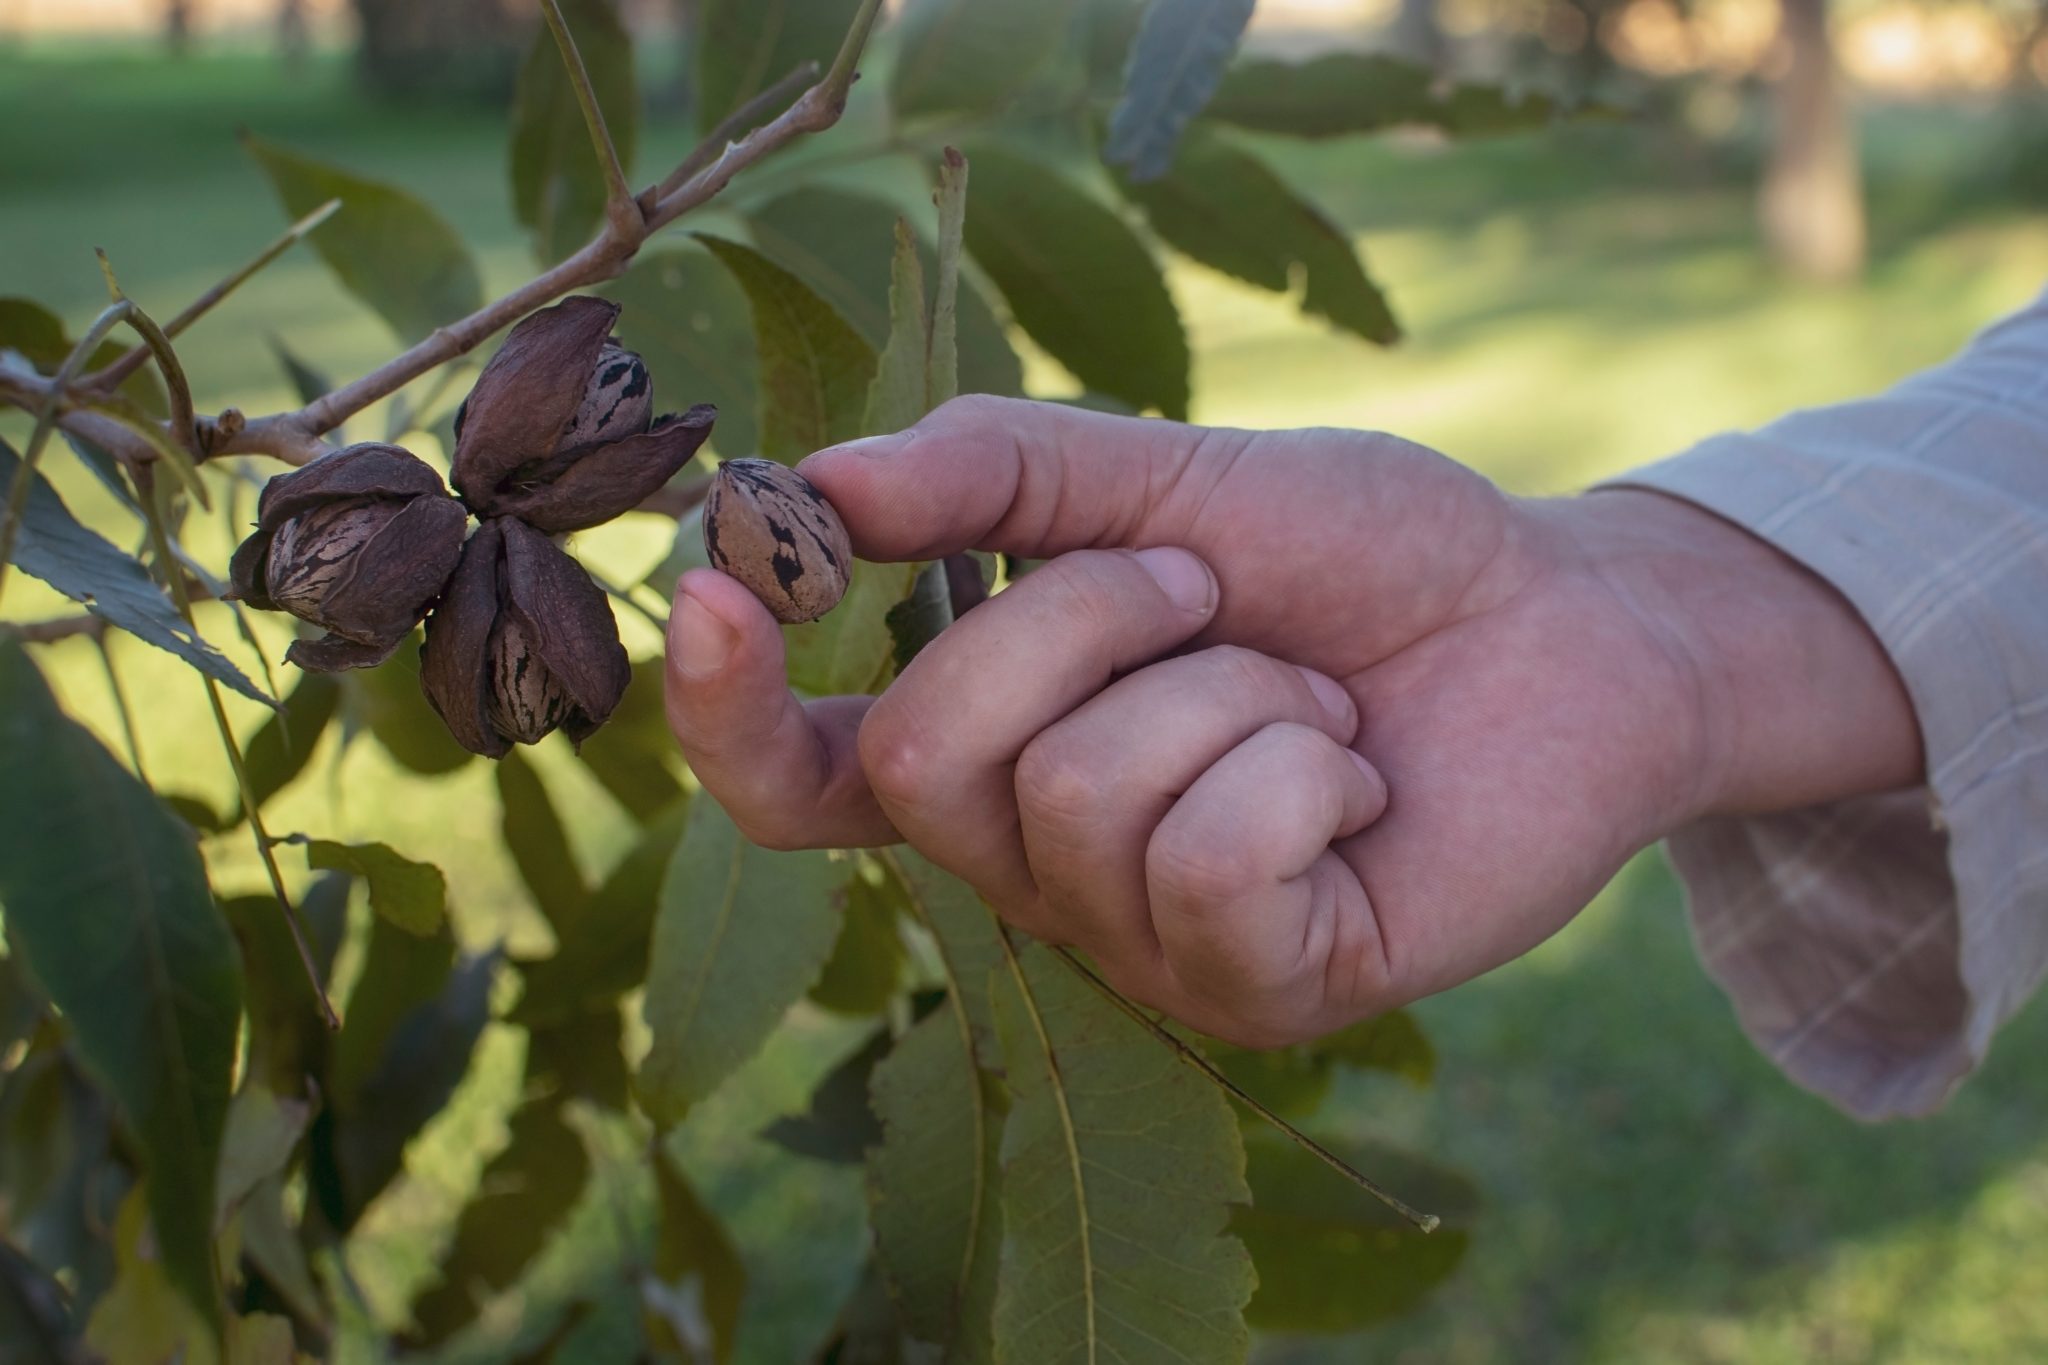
<point x="1294" y="727"/>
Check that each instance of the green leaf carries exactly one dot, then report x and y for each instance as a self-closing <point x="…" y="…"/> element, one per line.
<point x="1330" y="1257"/>
<point x="1079" y="281"/>
<point x="933" y="1181"/>
<point x="107" y="901"/>
<point x="897" y="398"/>
<point x="1119" y="1169"/>
<point x="401" y="972"/>
<point x="34" y="1317"/>
<point x="425" y="1058"/>
<point x="745" y="46"/>
<point x="262" y="1133"/>
<point x="413" y="896"/>
<point x="851" y="649"/>
<point x="695" y="1263"/>
<point x="539" y="845"/>
<point x="1294" y="1080"/>
<point x="868" y="1330"/>
<point x="607" y="957"/>
<point x="842" y="245"/>
<point x="523" y="1195"/>
<point x="272" y="1246"/>
<point x="942" y="361"/>
<point x="631" y="756"/>
<point x="969" y="942"/>
<point x="1391" y="1042"/>
<point x="386" y="247"/>
<point x="1227" y="209"/>
<point x="142" y="1318"/>
<point x="1175" y="64"/>
<point x="52" y="545"/>
<point x="387" y="699"/>
<point x="287" y="1036"/>
<point x="837" y="1126"/>
<point x="917" y="620"/>
<point x="971" y="56"/>
<point x="279" y="751"/>
<point x="1362" y="92"/>
<point x="815" y="368"/>
<point x="581" y="1057"/>
<point x="740" y="936"/>
<point x="558" y="188"/>
<point x="689" y="319"/>
<point x="308" y="384"/>
<point x="866" y="967"/>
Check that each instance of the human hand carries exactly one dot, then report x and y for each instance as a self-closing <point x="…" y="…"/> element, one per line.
<point x="1174" y="744"/>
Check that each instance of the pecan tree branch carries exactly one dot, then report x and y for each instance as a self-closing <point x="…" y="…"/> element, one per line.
<point x="769" y="102"/>
<point x="621" y="210"/>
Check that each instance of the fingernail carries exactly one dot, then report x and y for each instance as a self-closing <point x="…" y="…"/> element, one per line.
<point x="1331" y="694"/>
<point x="701" y="642"/>
<point x="1183" y="578"/>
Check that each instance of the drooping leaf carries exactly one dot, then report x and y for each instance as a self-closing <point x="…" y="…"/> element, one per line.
<point x="851" y="649"/>
<point x="970" y="948"/>
<point x="401" y="972"/>
<point x="1098" y="302"/>
<point x="1227" y="209"/>
<point x="539" y="845"/>
<point x="558" y="188"/>
<point x="426" y="1057"/>
<point x="841" y="244"/>
<point x="631" y="755"/>
<point x="262" y="1132"/>
<point x="54" y="546"/>
<point x="608" y="956"/>
<point x="815" y="368"/>
<point x="740" y="935"/>
<point x="522" y="1196"/>
<point x="1365" y="92"/>
<point x="896" y="399"/>
<point x="1330" y="1257"/>
<point x="1119" y="1169"/>
<point x="272" y="1247"/>
<point x="688" y="318"/>
<point x="107" y="901"/>
<point x="1178" y="58"/>
<point x="866" y="967"/>
<point x="745" y="46"/>
<point x="280" y="750"/>
<point x="386" y="247"/>
<point x="412" y="895"/>
<point x="838" y="1125"/>
<point x="932" y="1184"/>
<point x="308" y="383"/>
<point x="387" y="700"/>
<point x="971" y="56"/>
<point x="287" y="1035"/>
<point x="699" y="1279"/>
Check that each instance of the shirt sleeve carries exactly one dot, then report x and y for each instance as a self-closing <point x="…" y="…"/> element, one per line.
<point x="1872" y="948"/>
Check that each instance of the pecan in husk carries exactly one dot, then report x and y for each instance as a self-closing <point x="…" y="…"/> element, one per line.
<point x="359" y="542"/>
<point x="556" y="431"/>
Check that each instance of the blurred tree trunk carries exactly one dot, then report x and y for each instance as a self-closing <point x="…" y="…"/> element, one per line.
<point x="1418" y="35"/>
<point x="178" y="27"/>
<point x="294" y="38"/>
<point x="1812" y="202"/>
<point x="462" y="48"/>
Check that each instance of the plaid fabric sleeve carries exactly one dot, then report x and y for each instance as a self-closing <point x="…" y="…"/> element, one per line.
<point x="1872" y="948"/>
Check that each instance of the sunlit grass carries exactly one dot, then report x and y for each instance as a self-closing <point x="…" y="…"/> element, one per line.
<point x="1654" y="1191"/>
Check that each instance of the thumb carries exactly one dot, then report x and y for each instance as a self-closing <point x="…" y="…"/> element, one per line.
<point x="1007" y="474"/>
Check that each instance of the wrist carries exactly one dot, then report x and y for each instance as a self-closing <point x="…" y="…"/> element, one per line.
<point x="1791" y="699"/>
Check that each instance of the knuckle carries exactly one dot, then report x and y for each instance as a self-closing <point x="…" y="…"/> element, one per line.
<point x="1193" y="869"/>
<point x="899" y="763"/>
<point x="1236" y="670"/>
<point x="1056" y="784"/>
<point x="972" y="410"/>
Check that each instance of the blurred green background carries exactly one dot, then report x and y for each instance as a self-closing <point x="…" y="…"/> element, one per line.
<point x="1576" y="302"/>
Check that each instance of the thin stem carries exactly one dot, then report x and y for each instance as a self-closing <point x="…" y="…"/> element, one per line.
<point x="46" y="422"/>
<point x="774" y="99"/>
<point x="845" y="66"/>
<point x="127" y="714"/>
<point x="138" y="356"/>
<point x="159" y="509"/>
<point x="621" y="210"/>
<point x="1427" y="1222"/>
<point x="184" y="421"/>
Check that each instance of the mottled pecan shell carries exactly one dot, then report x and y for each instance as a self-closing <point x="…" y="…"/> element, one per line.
<point x="769" y="527"/>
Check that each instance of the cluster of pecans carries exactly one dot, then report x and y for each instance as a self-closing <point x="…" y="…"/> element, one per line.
<point x="557" y="436"/>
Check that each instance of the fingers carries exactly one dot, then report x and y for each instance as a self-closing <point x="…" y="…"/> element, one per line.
<point x="787" y="772"/>
<point x="1091" y="788"/>
<point x="1005" y="474"/>
<point x="1251" y="906"/>
<point x="941" y="746"/>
